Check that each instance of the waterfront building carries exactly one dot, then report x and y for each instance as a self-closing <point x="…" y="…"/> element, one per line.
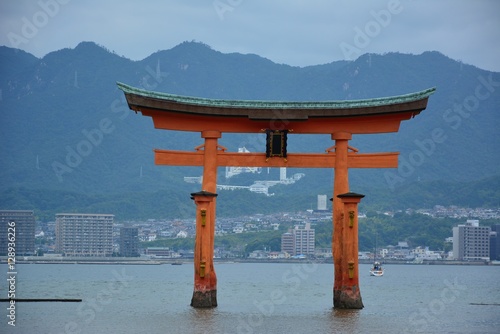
<point x="80" y="234"/>
<point x="129" y="241"/>
<point x="161" y="252"/>
<point x="299" y="241"/>
<point x="471" y="241"/>
<point x="304" y="239"/>
<point x="24" y="229"/>
<point x="495" y="243"/>
<point x="288" y="243"/>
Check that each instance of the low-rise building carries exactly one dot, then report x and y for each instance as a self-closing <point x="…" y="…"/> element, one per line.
<point x="164" y="252"/>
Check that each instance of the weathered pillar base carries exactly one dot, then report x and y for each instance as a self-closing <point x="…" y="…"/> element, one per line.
<point x="347" y="298"/>
<point x="205" y="299"/>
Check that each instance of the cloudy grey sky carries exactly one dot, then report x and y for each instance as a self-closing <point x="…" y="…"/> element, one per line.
<point x="294" y="32"/>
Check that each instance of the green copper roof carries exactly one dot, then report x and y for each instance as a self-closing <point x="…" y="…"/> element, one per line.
<point x="255" y="104"/>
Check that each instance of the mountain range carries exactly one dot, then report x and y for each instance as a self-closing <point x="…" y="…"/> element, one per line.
<point x="68" y="142"/>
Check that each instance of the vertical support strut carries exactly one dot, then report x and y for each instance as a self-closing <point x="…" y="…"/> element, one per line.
<point x="350" y="295"/>
<point x="340" y="186"/>
<point x="205" y="284"/>
<point x="205" y="279"/>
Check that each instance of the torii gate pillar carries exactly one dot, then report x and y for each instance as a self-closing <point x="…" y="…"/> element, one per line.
<point x="340" y="186"/>
<point x="349" y="296"/>
<point x="205" y="279"/>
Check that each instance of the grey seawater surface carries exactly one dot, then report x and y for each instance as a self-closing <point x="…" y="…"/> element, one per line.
<point x="253" y="298"/>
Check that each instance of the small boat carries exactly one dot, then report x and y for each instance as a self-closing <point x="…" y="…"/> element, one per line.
<point x="377" y="270"/>
<point x="176" y="263"/>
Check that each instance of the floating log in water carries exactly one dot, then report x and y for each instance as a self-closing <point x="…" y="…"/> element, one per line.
<point x="486" y="304"/>
<point x="17" y="300"/>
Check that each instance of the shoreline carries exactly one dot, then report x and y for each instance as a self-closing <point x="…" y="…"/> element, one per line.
<point x="181" y="261"/>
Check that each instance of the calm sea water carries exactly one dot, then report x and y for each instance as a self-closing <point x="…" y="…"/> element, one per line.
<point x="253" y="298"/>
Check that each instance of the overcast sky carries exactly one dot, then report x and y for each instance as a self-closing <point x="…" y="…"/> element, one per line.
<point x="294" y="32"/>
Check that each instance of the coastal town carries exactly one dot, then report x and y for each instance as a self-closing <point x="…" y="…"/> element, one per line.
<point x="141" y="239"/>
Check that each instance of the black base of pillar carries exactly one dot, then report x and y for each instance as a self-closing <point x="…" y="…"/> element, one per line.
<point x="204" y="299"/>
<point x="349" y="298"/>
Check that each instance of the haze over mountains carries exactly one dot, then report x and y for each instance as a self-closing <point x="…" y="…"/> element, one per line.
<point x="69" y="142"/>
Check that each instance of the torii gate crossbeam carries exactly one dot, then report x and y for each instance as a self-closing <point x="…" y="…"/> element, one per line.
<point x="297" y="160"/>
<point x="341" y="119"/>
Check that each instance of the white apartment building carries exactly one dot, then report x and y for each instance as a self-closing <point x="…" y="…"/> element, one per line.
<point x="471" y="241"/>
<point x="300" y="240"/>
<point x="80" y="234"/>
<point x="322" y="201"/>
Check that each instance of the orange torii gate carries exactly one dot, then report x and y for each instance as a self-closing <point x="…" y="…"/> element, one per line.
<point x="341" y="119"/>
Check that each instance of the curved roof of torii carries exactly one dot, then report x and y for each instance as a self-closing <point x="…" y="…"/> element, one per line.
<point x="186" y="113"/>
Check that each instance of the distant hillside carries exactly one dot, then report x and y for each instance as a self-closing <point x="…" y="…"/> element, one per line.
<point x="177" y="204"/>
<point x="65" y="126"/>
